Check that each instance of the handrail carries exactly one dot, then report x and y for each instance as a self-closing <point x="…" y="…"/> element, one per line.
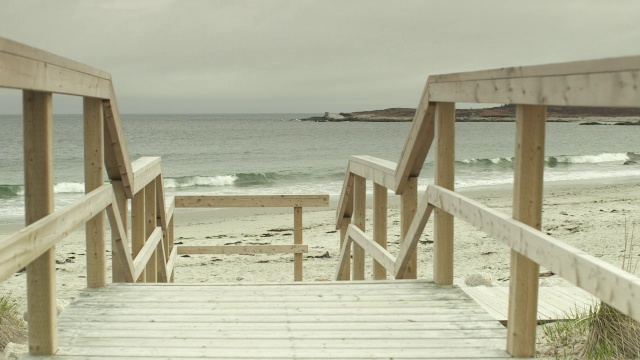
<point x="606" y="82"/>
<point x="297" y="202"/>
<point x="612" y="284"/>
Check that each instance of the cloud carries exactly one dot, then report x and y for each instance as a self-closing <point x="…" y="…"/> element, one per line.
<point x="314" y="55"/>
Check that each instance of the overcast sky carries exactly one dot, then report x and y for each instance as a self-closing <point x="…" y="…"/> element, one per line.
<point x="217" y="56"/>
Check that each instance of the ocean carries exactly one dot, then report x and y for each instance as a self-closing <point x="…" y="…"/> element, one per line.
<point x="277" y="153"/>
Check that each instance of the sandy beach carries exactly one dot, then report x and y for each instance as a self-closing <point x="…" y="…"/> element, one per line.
<point x="591" y="217"/>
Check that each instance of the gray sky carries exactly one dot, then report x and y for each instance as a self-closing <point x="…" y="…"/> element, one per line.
<point x="306" y="56"/>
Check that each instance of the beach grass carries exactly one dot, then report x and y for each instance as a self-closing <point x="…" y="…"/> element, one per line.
<point x="12" y="327"/>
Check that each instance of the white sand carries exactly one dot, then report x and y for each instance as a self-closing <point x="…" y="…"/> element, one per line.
<point x="589" y="217"/>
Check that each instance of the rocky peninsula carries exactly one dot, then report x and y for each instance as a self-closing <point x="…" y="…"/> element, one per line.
<point x="504" y="113"/>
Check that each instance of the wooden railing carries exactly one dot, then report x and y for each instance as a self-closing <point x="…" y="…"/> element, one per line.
<point x="609" y="82"/>
<point x="151" y="255"/>
<point x="296" y="202"/>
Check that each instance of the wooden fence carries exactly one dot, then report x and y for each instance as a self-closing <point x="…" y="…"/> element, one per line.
<point x="151" y="254"/>
<point x="609" y="82"/>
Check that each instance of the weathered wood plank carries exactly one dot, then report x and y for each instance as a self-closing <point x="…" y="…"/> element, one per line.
<point x="116" y="146"/>
<point x="408" y="209"/>
<point x="93" y="126"/>
<point x="120" y="242"/>
<point x="410" y="240"/>
<point x="145" y="170"/>
<point x="418" y="143"/>
<point x="25" y="51"/>
<point x="297" y="240"/>
<point x="606" y="281"/>
<point x="613" y="89"/>
<point x="33" y="75"/>
<point x="444" y="176"/>
<point x="345" y="203"/>
<point x="241" y="249"/>
<point x="143" y="258"/>
<point x="359" y="215"/>
<point x="217" y="201"/>
<point x="380" y="197"/>
<point x="34" y="240"/>
<point x="379" y="254"/>
<point x="150" y="228"/>
<point x="38" y="200"/>
<point x="379" y="171"/>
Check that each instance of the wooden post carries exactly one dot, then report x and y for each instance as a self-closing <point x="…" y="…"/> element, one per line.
<point x="138" y="232"/>
<point x="379" y="226"/>
<point x="346" y="273"/>
<point x="527" y="208"/>
<point x="93" y="179"/>
<point x="150" y="225"/>
<point x="359" y="213"/>
<point x="408" y="207"/>
<point x="297" y="240"/>
<point x="117" y="270"/>
<point x="170" y="234"/>
<point x="445" y="127"/>
<point x="38" y="199"/>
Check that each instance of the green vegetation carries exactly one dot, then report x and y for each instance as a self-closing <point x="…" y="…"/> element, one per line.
<point x="12" y="327"/>
<point x="601" y="332"/>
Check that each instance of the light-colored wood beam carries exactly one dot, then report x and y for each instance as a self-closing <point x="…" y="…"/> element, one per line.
<point x="93" y="179"/>
<point x="38" y="199"/>
<point x="408" y="208"/>
<point x="380" y="198"/>
<point x="149" y="227"/>
<point x="241" y="249"/>
<point x="444" y="176"/>
<point x="297" y="239"/>
<point x="359" y="216"/>
<point x="527" y="208"/>
<point x="219" y="201"/>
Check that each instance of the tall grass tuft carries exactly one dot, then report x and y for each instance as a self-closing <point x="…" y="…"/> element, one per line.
<point x="613" y="335"/>
<point x="12" y="327"/>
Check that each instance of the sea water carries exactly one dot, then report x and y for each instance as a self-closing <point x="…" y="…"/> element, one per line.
<point x="278" y="154"/>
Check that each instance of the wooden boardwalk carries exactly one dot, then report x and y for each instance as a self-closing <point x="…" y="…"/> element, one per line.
<point x="408" y="319"/>
<point x="554" y="303"/>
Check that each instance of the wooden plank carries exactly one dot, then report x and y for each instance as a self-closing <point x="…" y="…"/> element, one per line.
<point x="116" y="145"/>
<point x="138" y="232"/>
<point x="150" y="227"/>
<point x="38" y="199"/>
<point x="344" y="208"/>
<point x="117" y="269"/>
<point x="120" y="242"/>
<point x="142" y="260"/>
<point x="170" y="206"/>
<point x="18" y="72"/>
<point x="248" y="352"/>
<point x="343" y="234"/>
<point x="172" y="260"/>
<point x="444" y="176"/>
<point x="627" y="63"/>
<point x="25" y="51"/>
<point x="241" y="249"/>
<point x="218" y="201"/>
<point x="379" y="171"/>
<point x="34" y="240"/>
<point x="410" y="240"/>
<point x="145" y="170"/>
<point x="161" y="265"/>
<point x="343" y="271"/>
<point x="172" y="249"/>
<point x="359" y="214"/>
<point x="613" y="89"/>
<point x="380" y="198"/>
<point x="380" y="254"/>
<point x="606" y="281"/>
<point x="93" y="179"/>
<point x="408" y="208"/>
<point x="418" y="143"/>
<point x="527" y="208"/>
<point x="297" y="239"/>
